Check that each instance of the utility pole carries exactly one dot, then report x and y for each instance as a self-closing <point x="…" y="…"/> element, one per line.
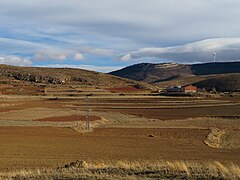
<point x="77" y="116"/>
<point x="87" y="115"/>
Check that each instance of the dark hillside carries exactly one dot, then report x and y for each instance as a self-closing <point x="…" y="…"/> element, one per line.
<point x="223" y="83"/>
<point x="215" y="68"/>
<point x="172" y="74"/>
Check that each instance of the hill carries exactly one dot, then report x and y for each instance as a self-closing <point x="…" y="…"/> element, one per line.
<point x="226" y="82"/>
<point x="64" y="76"/>
<point x="152" y="73"/>
<point x="170" y="74"/>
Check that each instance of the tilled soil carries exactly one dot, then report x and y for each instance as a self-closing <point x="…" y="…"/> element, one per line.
<point x="36" y="147"/>
<point x="182" y="113"/>
<point x="69" y="118"/>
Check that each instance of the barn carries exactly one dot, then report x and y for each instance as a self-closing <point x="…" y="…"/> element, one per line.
<point x="189" y="89"/>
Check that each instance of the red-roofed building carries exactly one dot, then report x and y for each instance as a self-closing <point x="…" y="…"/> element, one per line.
<point x="189" y="89"/>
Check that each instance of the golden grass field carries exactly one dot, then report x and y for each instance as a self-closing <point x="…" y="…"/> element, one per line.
<point x="133" y="135"/>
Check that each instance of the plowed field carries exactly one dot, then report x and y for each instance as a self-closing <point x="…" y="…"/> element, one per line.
<point x="44" y="147"/>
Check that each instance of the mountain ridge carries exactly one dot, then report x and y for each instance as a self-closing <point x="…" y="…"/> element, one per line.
<point x="168" y="74"/>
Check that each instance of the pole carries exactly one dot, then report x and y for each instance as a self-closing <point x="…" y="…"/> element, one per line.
<point x="77" y="116"/>
<point x="87" y="115"/>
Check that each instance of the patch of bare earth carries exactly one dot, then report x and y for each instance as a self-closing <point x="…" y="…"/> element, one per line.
<point x="38" y="147"/>
<point x="124" y="89"/>
<point x="180" y="112"/>
<point x="35" y="113"/>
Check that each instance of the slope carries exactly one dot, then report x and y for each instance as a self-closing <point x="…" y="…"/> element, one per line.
<point x="170" y="74"/>
<point x="67" y="76"/>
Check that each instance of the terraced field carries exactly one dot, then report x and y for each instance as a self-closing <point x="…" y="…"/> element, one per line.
<point x="49" y="131"/>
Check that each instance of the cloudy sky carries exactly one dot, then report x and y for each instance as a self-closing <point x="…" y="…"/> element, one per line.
<point x="105" y="35"/>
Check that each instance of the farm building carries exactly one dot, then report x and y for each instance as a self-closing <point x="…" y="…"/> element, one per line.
<point x="182" y="89"/>
<point x="189" y="89"/>
<point x="174" y="89"/>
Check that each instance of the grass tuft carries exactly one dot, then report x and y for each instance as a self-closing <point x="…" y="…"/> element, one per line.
<point x="132" y="170"/>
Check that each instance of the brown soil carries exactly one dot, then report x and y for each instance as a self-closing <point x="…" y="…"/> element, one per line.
<point x="69" y="118"/>
<point x="139" y="106"/>
<point x="21" y="89"/>
<point x="123" y="89"/>
<point x="183" y="113"/>
<point x="36" y="147"/>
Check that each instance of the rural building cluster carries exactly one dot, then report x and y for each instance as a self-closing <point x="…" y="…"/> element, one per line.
<point x="182" y="89"/>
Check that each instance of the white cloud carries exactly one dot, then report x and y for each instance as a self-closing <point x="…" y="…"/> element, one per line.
<point x="50" y="55"/>
<point x="138" y="20"/>
<point x="47" y="52"/>
<point x="79" y="57"/>
<point x="95" y="51"/>
<point x="59" y="29"/>
<point x="15" y="60"/>
<point x="41" y="51"/>
<point x="126" y="57"/>
<point x="201" y="51"/>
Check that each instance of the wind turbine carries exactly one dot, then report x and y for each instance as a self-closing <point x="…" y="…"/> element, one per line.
<point x="214" y="56"/>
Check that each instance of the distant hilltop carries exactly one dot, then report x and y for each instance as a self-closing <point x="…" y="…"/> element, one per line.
<point x="174" y="74"/>
<point x="61" y="76"/>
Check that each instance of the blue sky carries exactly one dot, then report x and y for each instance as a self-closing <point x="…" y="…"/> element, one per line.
<point x="105" y="35"/>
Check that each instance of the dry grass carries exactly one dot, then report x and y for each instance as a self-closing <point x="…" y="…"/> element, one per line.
<point x="132" y="170"/>
<point x="214" y="138"/>
<point x="223" y="138"/>
<point x="81" y="126"/>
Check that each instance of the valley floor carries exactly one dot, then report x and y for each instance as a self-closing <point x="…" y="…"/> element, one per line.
<point x="46" y="132"/>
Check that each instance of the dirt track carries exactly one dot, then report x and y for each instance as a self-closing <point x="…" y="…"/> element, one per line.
<point x="23" y="147"/>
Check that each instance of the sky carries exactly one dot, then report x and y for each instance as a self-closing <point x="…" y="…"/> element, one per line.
<point x="106" y="35"/>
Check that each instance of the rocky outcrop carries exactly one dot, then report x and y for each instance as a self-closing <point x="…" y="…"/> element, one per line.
<point x="34" y="78"/>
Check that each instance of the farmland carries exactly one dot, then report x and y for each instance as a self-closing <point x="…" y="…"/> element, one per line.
<point x="49" y="131"/>
<point x="119" y="90"/>
<point x="43" y="128"/>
